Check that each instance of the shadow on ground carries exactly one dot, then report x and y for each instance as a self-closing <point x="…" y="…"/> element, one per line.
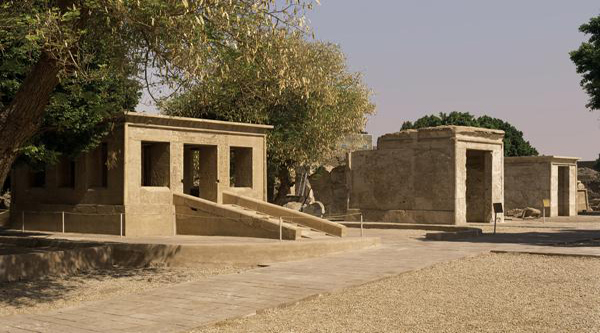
<point x="49" y="289"/>
<point x="559" y="238"/>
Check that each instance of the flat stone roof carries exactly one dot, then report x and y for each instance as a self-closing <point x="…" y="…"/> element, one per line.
<point x="193" y="123"/>
<point x="441" y="132"/>
<point x="541" y="159"/>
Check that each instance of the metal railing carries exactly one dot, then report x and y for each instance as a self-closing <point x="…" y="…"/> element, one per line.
<point x="62" y="218"/>
<point x="347" y="215"/>
<point x="123" y="215"/>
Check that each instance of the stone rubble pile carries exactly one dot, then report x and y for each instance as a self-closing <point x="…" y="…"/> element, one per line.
<point x="524" y="212"/>
<point x="5" y="200"/>
<point x="331" y="189"/>
<point x="591" y="179"/>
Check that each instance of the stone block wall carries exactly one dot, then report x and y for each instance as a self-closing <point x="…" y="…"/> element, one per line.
<point x="136" y="174"/>
<point x="531" y="179"/>
<point x="331" y="189"/>
<point x="420" y="176"/>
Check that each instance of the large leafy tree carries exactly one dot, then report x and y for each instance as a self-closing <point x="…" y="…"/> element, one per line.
<point x="514" y="143"/>
<point x="587" y="62"/>
<point x="80" y="111"/>
<point x="326" y="102"/>
<point x="179" y="39"/>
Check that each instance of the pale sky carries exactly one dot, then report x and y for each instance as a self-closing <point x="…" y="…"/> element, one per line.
<point x="507" y="59"/>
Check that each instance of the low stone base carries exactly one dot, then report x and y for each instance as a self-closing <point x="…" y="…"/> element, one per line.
<point x="235" y="253"/>
<point x="45" y="255"/>
<point x="403" y="216"/>
<point x="55" y="258"/>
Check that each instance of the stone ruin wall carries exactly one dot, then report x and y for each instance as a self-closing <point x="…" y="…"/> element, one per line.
<point x="526" y="185"/>
<point x="331" y="189"/>
<point x="405" y="181"/>
<point x="591" y="180"/>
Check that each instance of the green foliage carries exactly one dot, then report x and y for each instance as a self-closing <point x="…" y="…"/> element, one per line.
<point x="80" y="111"/>
<point x="587" y="62"/>
<point x="324" y="103"/>
<point x="597" y="165"/>
<point x="514" y="143"/>
<point x="104" y="47"/>
<point x="181" y="39"/>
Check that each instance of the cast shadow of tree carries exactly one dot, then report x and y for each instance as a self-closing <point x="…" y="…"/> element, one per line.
<point x="49" y="289"/>
<point x="560" y="238"/>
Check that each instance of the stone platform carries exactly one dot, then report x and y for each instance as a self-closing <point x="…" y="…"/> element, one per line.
<point x="190" y="250"/>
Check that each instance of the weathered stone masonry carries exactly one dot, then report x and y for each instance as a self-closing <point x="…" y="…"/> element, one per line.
<point x="163" y="176"/>
<point x="135" y="171"/>
<point x="531" y="179"/>
<point x="441" y="175"/>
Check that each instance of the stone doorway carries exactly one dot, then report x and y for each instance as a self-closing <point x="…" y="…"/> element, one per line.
<point x="479" y="186"/>
<point x="200" y="171"/>
<point x="563" y="191"/>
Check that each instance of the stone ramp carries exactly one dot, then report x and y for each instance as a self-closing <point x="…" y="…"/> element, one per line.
<point x="246" y="217"/>
<point x="300" y="219"/>
<point x="196" y="216"/>
<point x="305" y="232"/>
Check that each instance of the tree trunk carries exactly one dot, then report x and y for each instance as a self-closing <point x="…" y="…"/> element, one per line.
<point x="21" y="119"/>
<point x="285" y="183"/>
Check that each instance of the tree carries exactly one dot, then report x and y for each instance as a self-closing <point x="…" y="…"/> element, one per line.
<point x="180" y="39"/>
<point x="587" y="62"/>
<point x="309" y="117"/>
<point x="514" y="143"/>
<point x="80" y="112"/>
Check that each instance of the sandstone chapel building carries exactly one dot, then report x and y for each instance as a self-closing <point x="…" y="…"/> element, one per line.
<point x="437" y="175"/>
<point x="532" y="179"/>
<point x="160" y="176"/>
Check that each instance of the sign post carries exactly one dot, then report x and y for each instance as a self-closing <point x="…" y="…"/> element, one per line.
<point x="497" y="209"/>
<point x="545" y="203"/>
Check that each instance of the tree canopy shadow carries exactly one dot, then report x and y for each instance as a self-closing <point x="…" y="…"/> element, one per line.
<point x="27" y="293"/>
<point x="559" y="238"/>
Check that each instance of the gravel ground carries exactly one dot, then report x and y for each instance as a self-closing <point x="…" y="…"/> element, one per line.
<point x="490" y="293"/>
<point x="56" y="292"/>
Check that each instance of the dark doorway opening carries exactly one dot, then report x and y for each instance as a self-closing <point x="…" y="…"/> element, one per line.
<point x="156" y="164"/>
<point x="66" y="173"/>
<point x="240" y="167"/>
<point x="479" y="186"/>
<point x="563" y="191"/>
<point x="200" y="171"/>
<point x="98" y="166"/>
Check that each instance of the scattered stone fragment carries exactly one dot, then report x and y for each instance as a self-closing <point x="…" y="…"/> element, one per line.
<point x="524" y="212"/>
<point x="5" y="200"/>
<point x="316" y="208"/>
<point x="591" y="180"/>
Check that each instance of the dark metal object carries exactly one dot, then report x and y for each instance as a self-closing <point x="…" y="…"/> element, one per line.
<point x="497" y="209"/>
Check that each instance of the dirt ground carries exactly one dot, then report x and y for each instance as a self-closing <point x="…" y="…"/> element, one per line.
<point x="489" y="293"/>
<point x="57" y="292"/>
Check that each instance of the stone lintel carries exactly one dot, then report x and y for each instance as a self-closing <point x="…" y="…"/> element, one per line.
<point x="541" y="159"/>
<point x="460" y="133"/>
<point x="161" y="120"/>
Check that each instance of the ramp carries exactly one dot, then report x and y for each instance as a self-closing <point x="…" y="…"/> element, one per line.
<point x="247" y="217"/>
<point x="311" y="226"/>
